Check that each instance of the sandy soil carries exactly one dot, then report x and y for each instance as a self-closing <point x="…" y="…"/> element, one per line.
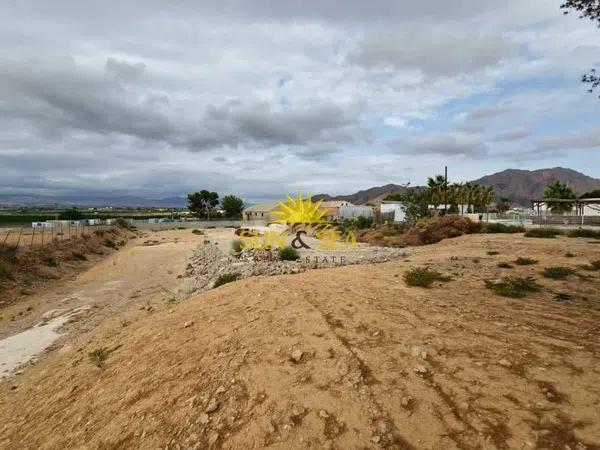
<point x="335" y="358"/>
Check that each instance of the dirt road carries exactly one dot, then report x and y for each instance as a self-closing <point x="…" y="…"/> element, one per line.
<point x="342" y="358"/>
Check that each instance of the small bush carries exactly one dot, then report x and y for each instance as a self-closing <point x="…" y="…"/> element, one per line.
<point x="502" y="228"/>
<point x="593" y="266"/>
<point x="505" y="265"/>
<point x="5" y="272"/>
<point x="98" y="356"/>
<point x="110" y="244"/>
<point x="520" y="261"/>
<point x="197" y="231"/>
<point x="558" y="273"/>
<point x="516" y="287"/>
<point x="585" y="233"/>
<point x="237" y="245"/>
<point x="423" y="277"/>
<point x="49" y="261"/>
<point x="493" y="252"/>
<point x="78" y="256"/>
<point x="288" y="254"/>
<point x="206" y="241"/>
<point x="226" y="278"/>
<point x="122" y="223"/>
<point x="8" y="253"/>
<point x="546" y="232"/>
<point x="562" y="296"/>
<point x="570" y="255"/>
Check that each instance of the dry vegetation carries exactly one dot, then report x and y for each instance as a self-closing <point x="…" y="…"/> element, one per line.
<point x="25" y="270"/>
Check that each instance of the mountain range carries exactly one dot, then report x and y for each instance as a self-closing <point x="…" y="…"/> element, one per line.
<point x="518" y="186"/>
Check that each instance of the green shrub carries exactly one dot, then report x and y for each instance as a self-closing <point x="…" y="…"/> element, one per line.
<point x="512" y="287"/>
<point x="226" y="278"/>
<point x="78" y="256"/>
<point x="110" y="244"/>
<point x="49" y="261"/>
<point x="545" y="232"/>
<point x="502" y="228"/>
<point x="570" y="255"/>
<point x="287" y="254"/>
<point x="593" y="266"/>
<point x="423" y="277"/>
<point x="505" y="265"/>
<point x="558" y="273"/>
<point x="493" y="252"/>
<point x="237" y="245"/>
<point x="122" y="223"/>
<point x="197" y="231"/>
<point x="585" y="233"/>
<point x="520" y="261"/>
<point x="98" y="356"/>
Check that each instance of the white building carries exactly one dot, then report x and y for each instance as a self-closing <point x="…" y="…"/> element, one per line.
<point x="394" y="208"/>
<point x="354" y="211"/>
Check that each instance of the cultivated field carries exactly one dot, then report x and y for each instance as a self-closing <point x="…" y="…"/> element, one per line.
<point x="338" y="358"/>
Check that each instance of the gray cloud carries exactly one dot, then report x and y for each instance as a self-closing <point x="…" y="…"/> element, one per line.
<point x="511" y="135"/>
<point x="442" y="144"/>
<point x="485" y="112"/>
<point x="435" y="51"/>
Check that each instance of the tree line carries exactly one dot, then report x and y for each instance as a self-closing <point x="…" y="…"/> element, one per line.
<point x="203" y="204"/>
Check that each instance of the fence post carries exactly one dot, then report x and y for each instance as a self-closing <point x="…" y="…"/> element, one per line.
<point x="19" y="238"/>
<point x="32" y="235"/>
<point x="43" y="235"/>
<point x="52" y="232"/>
<point x="6" y="237"/>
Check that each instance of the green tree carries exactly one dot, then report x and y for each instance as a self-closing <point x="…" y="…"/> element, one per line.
<point x="587" y="9"/>
<point x="559" y="190"/>
<point x="232" y="205"/>
<point x="503" y="205"/>
<point x="436" y="185"/>
<point x="202" y="203"/>
<point x="415" y="203"/>
<point x="71" y="214"/>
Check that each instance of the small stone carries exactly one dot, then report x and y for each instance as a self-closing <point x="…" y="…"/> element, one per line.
<point x="505" y="363"/>
<point x="376" y="439"/>
<point x="420" y="369"/>
<point x="220" y="390"/>
<point x="323" y="414"/>
<point x="405" y="401"/>
<point x="188" y="324"/>
<point x="212" y="406"/>
<point x="424" y="355"/>
<point x="213" y="437"/>
<point x="204" y="418"/>
<point x="297" y="356"/>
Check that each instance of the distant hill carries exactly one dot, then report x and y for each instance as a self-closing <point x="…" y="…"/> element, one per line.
<point x="373" y="195"/>
<point x="115" y="202"/>
<point x="521" y="186"/>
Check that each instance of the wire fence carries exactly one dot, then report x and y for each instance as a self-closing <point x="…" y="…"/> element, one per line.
<point x="38" y="236"/>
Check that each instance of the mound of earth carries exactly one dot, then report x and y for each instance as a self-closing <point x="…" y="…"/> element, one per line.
<point x="28" y="269"/>
<point x="346" y="358"/>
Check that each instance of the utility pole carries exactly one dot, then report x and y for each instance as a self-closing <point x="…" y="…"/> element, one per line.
<point x="445" y="189"/>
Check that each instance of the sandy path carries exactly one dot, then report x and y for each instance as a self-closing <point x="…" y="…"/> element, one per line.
<point x="144" y="271"/>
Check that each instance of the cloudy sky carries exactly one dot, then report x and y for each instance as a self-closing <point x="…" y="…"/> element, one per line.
<point x="266" y="97"/>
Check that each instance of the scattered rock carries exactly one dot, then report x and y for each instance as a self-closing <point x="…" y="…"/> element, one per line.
<point x="204" y="418"/>
<point x="212" y="406"/>
<point x="188" y="324"/>
<point x="213" y="437"/>
<point x="323" y="414"/>
<point x="221" y="390"/>
<point x="420" y="369"/>
<point x="405" y="401"/>
<point x="505" y="363"/>
<point x="297" y="356"/>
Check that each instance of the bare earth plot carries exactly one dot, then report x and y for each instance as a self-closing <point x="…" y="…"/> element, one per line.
<point x="338" y="358"/>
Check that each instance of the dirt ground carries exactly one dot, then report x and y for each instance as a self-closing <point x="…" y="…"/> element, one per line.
<point x="341" y="358"/>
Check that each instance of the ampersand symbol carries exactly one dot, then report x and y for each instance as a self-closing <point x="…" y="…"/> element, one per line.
<point x="298" y="243"/>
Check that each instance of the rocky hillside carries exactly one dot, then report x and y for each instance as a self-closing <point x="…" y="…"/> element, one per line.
<point x="520" y="186"/>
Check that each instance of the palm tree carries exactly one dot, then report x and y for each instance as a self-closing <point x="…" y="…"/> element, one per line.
<point x="558" y="190"/>
<point x="486" y="196"/>
<point x="436" y="187"/>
